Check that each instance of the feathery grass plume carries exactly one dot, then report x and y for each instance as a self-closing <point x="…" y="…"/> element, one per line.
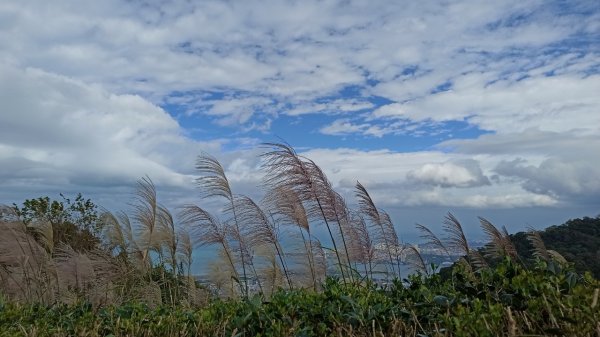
<point x="44" y="234"/>
<point x="283" y="202"/>
<point x="223" y="276"/>
<point x="260" y="230"/>
<point x="169" y="237"/>
<point x="367" y="208"/>
<point x="113" y="233"/>
<point x="236" y="231"/>
<point x="431" y="239"/>
<point x="362" y="249"/>
<point x="285" y="169"/>
<point x="320" y="260"/>
<point x="196" y="297"/>
<point x="28" y="273"/>
<point x="332" y="207"/>
<point x="539" y="248"/>
<point x="169" y="241"/>
<point x="392" y="238"/>
<point x="457" y="242"/>
<point x="75" y="269"/>
<point x="285" y="207"/>
<point x="415" y="259"/>
<point x="150" y="294"/>
<point x="146" y="214"/>
<point x="340" y="214"/>
<point x="274" y="276"/>
<point x="556" y="256"/>
<point x="386" y="234"/>
<point x="8" y="213"/>
<point x="499" y="244"/>
<point x="456" y="239"/>
<point x="207" y="230"/>
<point x="477" y="260"/>
<point x="110" y="273"/>
<point x="214" y="183"/>
<point x="246" y="253"/>
<point x="90" y="276"/>
<point x="119" y="234"/>
<point x="185" y="250"/>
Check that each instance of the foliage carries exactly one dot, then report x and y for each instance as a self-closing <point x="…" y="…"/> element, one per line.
<point x="507" y="300"/>
<point x="577" y="240"/>
<point x="74" y="222"/>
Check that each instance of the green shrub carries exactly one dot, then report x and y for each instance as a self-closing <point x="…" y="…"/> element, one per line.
<point x="507" y="300"/>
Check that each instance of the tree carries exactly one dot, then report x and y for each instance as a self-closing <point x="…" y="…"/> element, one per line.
<point x="74" y="222"/>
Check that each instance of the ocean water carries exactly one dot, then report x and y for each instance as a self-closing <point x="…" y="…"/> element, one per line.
<point x="204" y="257"/>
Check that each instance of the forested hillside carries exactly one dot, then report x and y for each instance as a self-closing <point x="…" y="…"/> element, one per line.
<point x="577" y="240"/>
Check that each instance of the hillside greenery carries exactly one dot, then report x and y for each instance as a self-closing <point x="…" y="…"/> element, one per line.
<point x="68" y="270"/>
<point x="577" y="240"/>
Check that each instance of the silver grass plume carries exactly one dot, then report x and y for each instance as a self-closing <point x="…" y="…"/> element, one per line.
<point x="370" y="211"/>
<point x="432" y="239"/>
<point x="362" y="249"/>
<point x="456" y="239"/>
<point x="260" y="230"/>
<point x="539" y="248"/>
<point x="185" y="249"/>
<point x="26" y="268"/>
<point x="415" y="259"/>
<point x="285" y="207"/>
<point x="207" y="230"/>
<point x="392" y="237"/>
<point x="214" y="183"/>
<point x="285" y="169"/>
<point x="146" y="214"/>
<point x="499" y="244"/>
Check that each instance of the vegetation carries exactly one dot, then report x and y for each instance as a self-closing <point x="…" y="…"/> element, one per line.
<point x="578" y="240"/>
<point x="508" y="300"/>
<point x="73" y="223"/>
<point x="133" y="277"/>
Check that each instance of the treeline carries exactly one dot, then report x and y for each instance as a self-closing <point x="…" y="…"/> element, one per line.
<point x="577" y="240"/>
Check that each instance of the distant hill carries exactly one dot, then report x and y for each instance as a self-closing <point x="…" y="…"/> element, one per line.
<point x="577" y="240"/>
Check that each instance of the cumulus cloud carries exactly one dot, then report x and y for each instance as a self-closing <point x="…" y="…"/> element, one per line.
<point x="465" y="173"/>
<point x="81" y="98"/>
<point x="561" y="179"/>
<point x="424" y="178"/>
<point x="562" y="165"/>
<point x="559" y="103"/>
<point x="290" y="53"/>
<point x="56" y="132"/>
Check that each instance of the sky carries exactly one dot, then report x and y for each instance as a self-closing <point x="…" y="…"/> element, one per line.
<point x="480" y="108"/>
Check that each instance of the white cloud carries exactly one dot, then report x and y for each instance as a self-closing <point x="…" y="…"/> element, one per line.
<point x="343" y="127"/>
<point x="295" y="52"/>
<point x="336" y="106"/>
<point x="560" y="103"/>
<point x="574" y="145"/>
<point x="561" y="179"/>
<point x="80" y="95"/>
<point x="57" y="133"/>
<point x="425" y="178"/>
<point x="558" y="164"/>
<point x="465" y="173"/>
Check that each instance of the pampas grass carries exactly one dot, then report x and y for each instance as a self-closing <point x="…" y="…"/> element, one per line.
<point x="148" y="256"/>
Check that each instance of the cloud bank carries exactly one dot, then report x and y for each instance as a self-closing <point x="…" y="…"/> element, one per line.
<point x="462" y="104"/>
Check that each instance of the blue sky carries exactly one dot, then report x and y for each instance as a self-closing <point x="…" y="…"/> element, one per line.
<point x="475" y="107"/>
